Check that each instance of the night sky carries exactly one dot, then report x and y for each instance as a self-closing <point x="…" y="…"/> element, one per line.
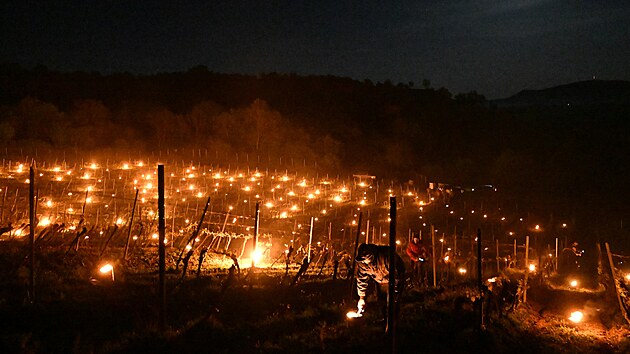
<point x="494" y="47"/>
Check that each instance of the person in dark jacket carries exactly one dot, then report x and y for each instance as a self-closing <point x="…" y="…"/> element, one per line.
<point x="373" y="263"/>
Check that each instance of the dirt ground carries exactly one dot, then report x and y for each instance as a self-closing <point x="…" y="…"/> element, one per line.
<point x="79" y="310"/>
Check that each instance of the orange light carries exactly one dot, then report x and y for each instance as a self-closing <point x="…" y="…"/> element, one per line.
<point x="106" y="268"/>
<point x="257" y="255"/>
<point x="353" y="314"/>
<point x="576" y="316"/>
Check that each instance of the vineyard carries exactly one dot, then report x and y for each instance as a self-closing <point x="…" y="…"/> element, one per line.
<point x="95" y="270"/>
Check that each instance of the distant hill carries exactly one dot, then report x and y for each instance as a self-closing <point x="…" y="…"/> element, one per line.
<point x="593" y="92"/>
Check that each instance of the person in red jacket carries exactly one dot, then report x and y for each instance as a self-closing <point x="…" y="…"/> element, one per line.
<point x="415" y="250"/>
<point x="418" y="255"/>
<point x="373" y="263"/>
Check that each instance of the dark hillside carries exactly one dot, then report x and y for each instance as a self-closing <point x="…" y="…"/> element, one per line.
<point x="579" y="93"/>
<point x="562" y="158"/>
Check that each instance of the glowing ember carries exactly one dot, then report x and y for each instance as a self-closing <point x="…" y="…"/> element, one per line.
<point x="353" y="314"/>
<point x="576" y="316"/>
<point x="106" y="268"/>
<point x="44" y="222"/>
<point x="257" y="255"/>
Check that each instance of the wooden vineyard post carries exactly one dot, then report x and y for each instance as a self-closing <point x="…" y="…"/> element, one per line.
<point x="498" y="258"/>
<point x="515" y="261"/>
<point x="433" y="256"/>
<point x="255" y="243"/>
<point x="556" y="263"/>
<point x="85" y="199"/>
<point x="391" y="296"/>
<point x="133" y="211"/>
<point x="161" y="249"/>
<point x="310" y="241"/>
<point x="4" y="198"/>
<point x="354" y="254"/>
<point x="31" y="238"/>
<point x="455" y="243"/>
<point x="614" y="282"/>
<point x="526" y="269"/>
<point x="480" y="277"/>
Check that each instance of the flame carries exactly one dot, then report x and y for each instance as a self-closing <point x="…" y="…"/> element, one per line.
<point x="106" y="268"/>
<point x="257" y="255"/>
<point x="353" y="314"/>
<point x="573" y="283"/>
<point x="45" y="221"/>
<point x="576" y="316"/>
<point x="532" y="268"/>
